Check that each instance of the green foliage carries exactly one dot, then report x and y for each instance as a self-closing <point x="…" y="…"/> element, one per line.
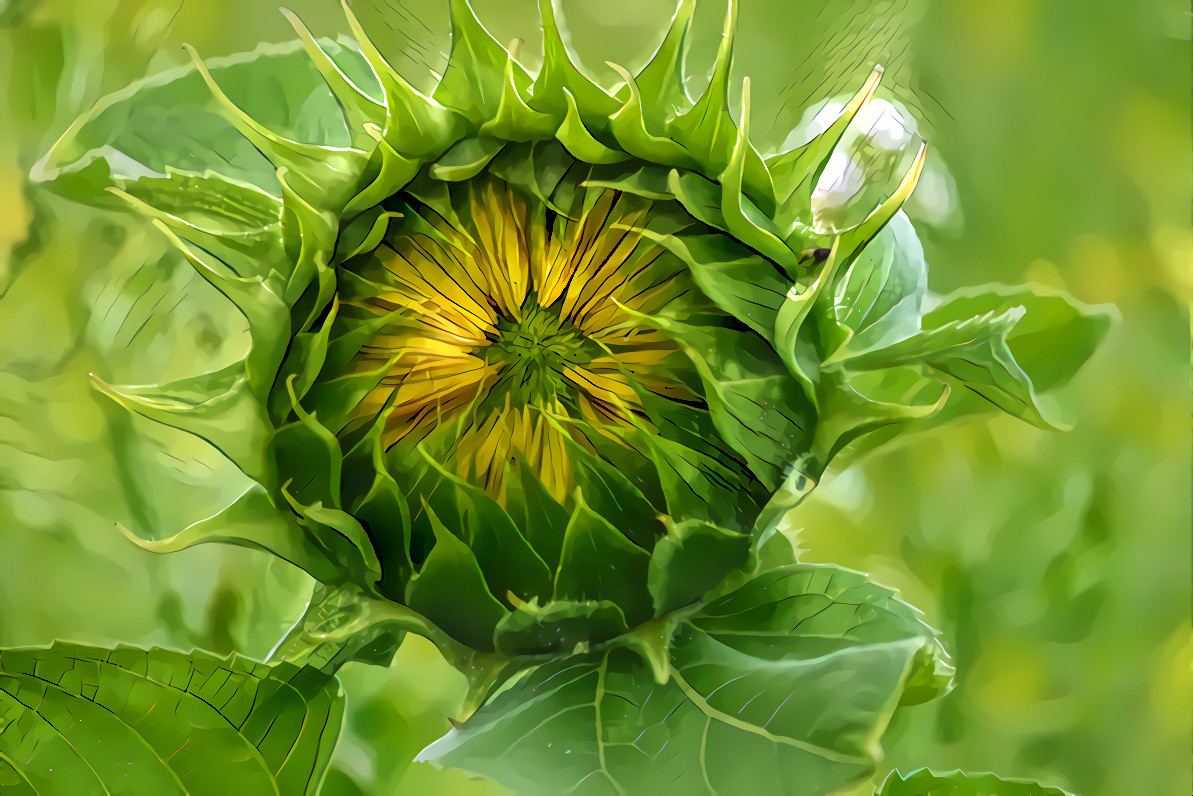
<point x="855" y="408"/>
<point x="788" y="369"/>
<point x="929" y="783"/>
<point x="77" y="719"/>
<point x="782" y="686"/>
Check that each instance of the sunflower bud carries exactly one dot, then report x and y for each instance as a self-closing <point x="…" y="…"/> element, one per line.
<point x="532" y="359"/>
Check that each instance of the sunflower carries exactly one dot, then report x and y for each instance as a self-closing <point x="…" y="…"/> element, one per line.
<point x="541" y="361"/>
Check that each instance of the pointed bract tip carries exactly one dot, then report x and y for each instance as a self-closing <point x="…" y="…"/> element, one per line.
<point x="867" y="91"/>
<point x="912" y="177"/>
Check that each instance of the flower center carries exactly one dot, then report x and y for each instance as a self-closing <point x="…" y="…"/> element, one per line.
<point x="535" y="352"/>
<point x="517" y="330"/>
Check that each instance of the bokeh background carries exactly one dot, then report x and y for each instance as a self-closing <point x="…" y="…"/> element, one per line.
<point x="1057" y="565"/>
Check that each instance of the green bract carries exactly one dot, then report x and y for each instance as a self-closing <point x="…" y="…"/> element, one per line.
<point x="537" y="366"/>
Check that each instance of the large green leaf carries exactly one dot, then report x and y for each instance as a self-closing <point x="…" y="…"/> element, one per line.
<point x="774" y="705"/>
<point x="956" y="783"/>
<point x="77" y="719"/>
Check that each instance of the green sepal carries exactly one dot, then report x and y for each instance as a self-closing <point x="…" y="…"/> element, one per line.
<point x="658" y="86"/>
<point x="540" y="517"/>
<point x="303" y="363"/>
<point x="559" y="78"/>
<point x="691" y="560"/>
<point x="743" y="218"/>
<point x="342" y="538"/>
<point x="308" y="234"/>
<point x="392" y="174"/>
<point x="473" y="82"/>
<point x="740" y="282"/>
<point x="795" y="173"/>
<point x="309" y="453"/>
<point x="579" y="141"/>
<point x="630" y="127"/>
<point x="700" y="196"/>
<point x="449" y="589"/>
<point x="217" y="407"/>
<point x="466" y="159"/>
<point x="543" y="170"/>
<point x="758" y="408"/>
<point x="514" y="120"/>
<point x="235" y="216"/>
<point x="508" y="560"/>
<point x="253" y="521"/>
<point x="610" y="493"/>
<point x="706" y="129"/>
<point x="645" y="180"/>
<point x="418" y="127"/>
<point x="795" y="347"/>
<point x="558" y="627"/>
<point x="382" y="510"/>
<point x="699" y="477"/>
<point x="598" y="563"/>
<point x="362" y="236"/>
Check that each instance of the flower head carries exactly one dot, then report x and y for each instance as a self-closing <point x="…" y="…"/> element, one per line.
<point x="516" y="330"/>
<point x="536" y="358"/>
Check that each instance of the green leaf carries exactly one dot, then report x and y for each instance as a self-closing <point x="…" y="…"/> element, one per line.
<point x="925" y="782"/>
<point x="1053" y="339"/>
<point x="725" y="723"/>
<point x="77" y="719"/>
<point x="828" y="609"/>
<point x="787" y="693"/>
<point x="971" y="354"/>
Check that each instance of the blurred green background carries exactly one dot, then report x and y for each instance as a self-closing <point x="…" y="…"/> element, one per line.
<point x="1057" y="565"/>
